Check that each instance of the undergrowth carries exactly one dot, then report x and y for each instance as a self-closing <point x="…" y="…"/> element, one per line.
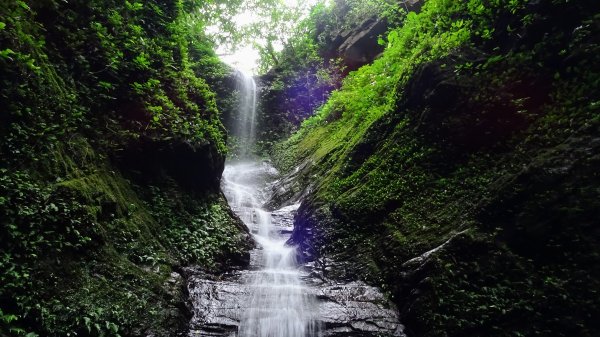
<point x="88" y="250"/>
<point x="477" y="120"/>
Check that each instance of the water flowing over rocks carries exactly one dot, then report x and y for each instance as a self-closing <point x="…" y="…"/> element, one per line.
<point x="329" y="307"/>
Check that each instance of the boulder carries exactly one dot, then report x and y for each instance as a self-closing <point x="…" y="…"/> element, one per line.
<point x="359" y="46"/>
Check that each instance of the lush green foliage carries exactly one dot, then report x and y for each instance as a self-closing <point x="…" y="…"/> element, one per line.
<point x="198" y="232"/>
<point x="306" y="71"/>
<point x="478" y="117"/>
<point x="87" y="246"/>
<point x="139" y="73"/>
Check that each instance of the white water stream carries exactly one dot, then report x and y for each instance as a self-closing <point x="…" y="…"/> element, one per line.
<point x="244" y="130"/>
<point x="279" y="304"/>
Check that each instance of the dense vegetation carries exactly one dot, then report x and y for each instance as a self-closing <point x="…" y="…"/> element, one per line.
<point x="111" y="151"/>
<point x="458" y="170"/>
<point x="299" y="82"/>
<point x="311" y="66"/>
<point x="476" y="132"/>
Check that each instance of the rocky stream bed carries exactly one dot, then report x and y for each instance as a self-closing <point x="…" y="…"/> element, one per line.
<point x="340" y="308"/>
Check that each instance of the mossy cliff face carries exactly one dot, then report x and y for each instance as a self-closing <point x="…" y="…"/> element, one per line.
<point x="112" y="151"/>
<point x="459" y="171"/>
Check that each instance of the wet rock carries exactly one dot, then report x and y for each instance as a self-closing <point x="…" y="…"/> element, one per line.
<point x="289" y="189"/>
<point x="356" y="309"/>
<point x="283" y="218"/>
<point x="351" y="309"/>
<point x="216" y="306"/>
<point x="308" y="234"/>
<point x="423" y="258"/>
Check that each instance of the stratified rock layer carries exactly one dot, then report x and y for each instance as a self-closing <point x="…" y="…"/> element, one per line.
<point x="345" y="309"/>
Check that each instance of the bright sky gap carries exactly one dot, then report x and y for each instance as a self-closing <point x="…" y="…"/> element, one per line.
<point x="246" y="57"/>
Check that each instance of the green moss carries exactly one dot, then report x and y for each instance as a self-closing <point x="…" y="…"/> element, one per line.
<point x="454" y="128"/>
<point x="84" y="250"/>
<point x="105" y="270"/>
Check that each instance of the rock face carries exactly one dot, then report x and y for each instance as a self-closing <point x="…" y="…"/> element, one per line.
<point x="216" y="305"/>
<point x="359" y="45"/>
<point x="289" y="189"/>
<point x="449" y="116"/>
<point x="356" y="309"/>
<point x="194" y="166"/>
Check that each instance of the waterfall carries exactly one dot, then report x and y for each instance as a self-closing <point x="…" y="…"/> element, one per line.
<point x="279" y="303"/>
<point x="244" y="130"/>
<point x="275" y="296"/>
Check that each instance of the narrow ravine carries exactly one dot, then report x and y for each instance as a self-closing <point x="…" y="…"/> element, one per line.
<point x="276" y="296"/>
<point x="299" y="168"/>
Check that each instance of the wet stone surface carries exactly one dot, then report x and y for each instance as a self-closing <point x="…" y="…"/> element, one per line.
<point x="350" y="309"/>
<point x="344" y="309"/>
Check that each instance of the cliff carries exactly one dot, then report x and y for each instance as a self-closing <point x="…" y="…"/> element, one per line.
<point x="458" y="170"/>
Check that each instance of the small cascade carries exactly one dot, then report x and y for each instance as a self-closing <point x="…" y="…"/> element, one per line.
<point x="244" y="130"/>
<point x="279" y="303"/>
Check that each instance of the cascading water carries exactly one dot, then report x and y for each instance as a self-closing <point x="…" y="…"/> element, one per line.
<point x="279" y="304"/>
<point x="244" y="129"/>
<point x="276" y="297"/>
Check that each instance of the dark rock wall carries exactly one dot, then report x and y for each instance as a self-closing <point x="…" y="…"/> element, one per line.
<point x="195" y="166"/>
